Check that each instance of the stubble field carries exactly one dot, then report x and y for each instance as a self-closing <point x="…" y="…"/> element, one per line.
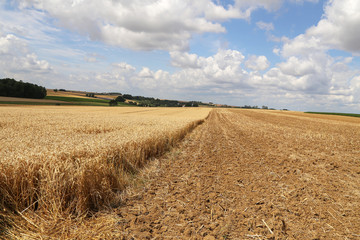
<point x="242" y="174"/>
<point x="252" y="174"/>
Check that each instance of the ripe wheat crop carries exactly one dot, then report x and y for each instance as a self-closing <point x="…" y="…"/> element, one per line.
<point x="67" y="161"/>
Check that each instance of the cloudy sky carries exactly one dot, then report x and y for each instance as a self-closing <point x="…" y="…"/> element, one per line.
<point x="296" y="54"/>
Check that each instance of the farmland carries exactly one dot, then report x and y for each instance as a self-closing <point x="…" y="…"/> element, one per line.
<point x="253" y="174"/>
<point x="61" y="98"/>
<point x="64" y="161"/>
<point x="339" y="114"/>
<point x="242" y="174"/>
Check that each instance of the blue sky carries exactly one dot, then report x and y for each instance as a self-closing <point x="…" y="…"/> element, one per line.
<point x="296" y="54"/>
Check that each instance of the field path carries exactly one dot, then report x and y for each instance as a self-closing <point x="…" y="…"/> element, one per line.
<point x="248" y="174"/>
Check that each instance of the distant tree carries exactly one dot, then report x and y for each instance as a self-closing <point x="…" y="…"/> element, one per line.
<point x="12" y="88"/>
<point x="188" y="104"/>
<point x="113" y="103"/>
<point x="120" y="99"/>
<point x="265" y="107"/>
<point x="55" y="90"/>
<point x="128" y="96"/>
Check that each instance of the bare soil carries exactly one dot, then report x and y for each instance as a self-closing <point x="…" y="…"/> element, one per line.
<point x="15" y="99"/>
<point x="248" y="174"/>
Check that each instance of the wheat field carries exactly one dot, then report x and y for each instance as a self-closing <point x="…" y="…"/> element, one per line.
<point x="62" y="161"/>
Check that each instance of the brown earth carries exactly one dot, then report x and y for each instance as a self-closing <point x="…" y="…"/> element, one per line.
<point x="248" y="174"/>
<point x="15" y="99"/>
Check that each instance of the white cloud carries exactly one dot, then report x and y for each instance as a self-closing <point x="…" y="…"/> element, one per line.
<point x="218" y="12"/>
<point x="123" y="67"/>
<point x="147" y="25"/>
<point x="139" y="25"/>
<point x="317" y="80"/>
<point x="338" y="27"/>
<point x="355" y="87"/>
<point x="15" y="58"/>
<point x="10" y="43"/>
<point x="184" y="60"/>
<point x="298" y="67"/>
<point x="28" y="23"/>
<point x="257" y="63"/>
<point x="315" y="74"/>
<point x="119" y="77"/>
<point x="308" y="68"/>
<point x="222" y="69"/>
<point x="336" y="30"/>
<point x="265" y="26"/>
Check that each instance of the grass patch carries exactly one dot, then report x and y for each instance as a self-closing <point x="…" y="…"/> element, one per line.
<point x="76" y="100"/>
<point x="85" y="101"/>
<point x="340" y="114"/>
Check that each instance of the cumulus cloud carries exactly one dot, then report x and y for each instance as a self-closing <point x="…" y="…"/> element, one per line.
<point x="184" y="60"/>
<point x="15" y="58"/>
<point x="315" y="80"/>
<point x="257" y="63"/>
<point x="147" y="25"/>
<point x="315" y="74"/>
<point x="139" y="25"/>
<point x="222" y="69"/>
<point x="309" y="69"/>
<point x="119" y="77"/>
<point x="336" y="30"/>
<point x="337" y="27"/>
<point x="355" y="87"/>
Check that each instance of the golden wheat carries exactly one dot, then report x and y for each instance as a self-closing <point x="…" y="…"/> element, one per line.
<point x="61" y="161"/>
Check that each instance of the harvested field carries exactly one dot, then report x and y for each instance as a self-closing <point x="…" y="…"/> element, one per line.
<point x="14" y="99"/>
<point x="243" y="174"/>
<point x="248" y="174"/>
<point x="77" y="94"/>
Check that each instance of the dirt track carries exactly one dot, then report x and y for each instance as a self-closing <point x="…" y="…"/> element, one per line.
<point x="255" y="175"/>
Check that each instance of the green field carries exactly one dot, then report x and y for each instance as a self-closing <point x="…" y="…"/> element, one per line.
<point x="340" y="114"/>
<point x="77" y="100"/>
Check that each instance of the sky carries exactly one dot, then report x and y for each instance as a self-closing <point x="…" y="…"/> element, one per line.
<point x="302" y="55"/>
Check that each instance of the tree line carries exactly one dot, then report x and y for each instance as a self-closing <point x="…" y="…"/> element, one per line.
<point x="11" y="88"/>
<point x="152" y="102"/>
